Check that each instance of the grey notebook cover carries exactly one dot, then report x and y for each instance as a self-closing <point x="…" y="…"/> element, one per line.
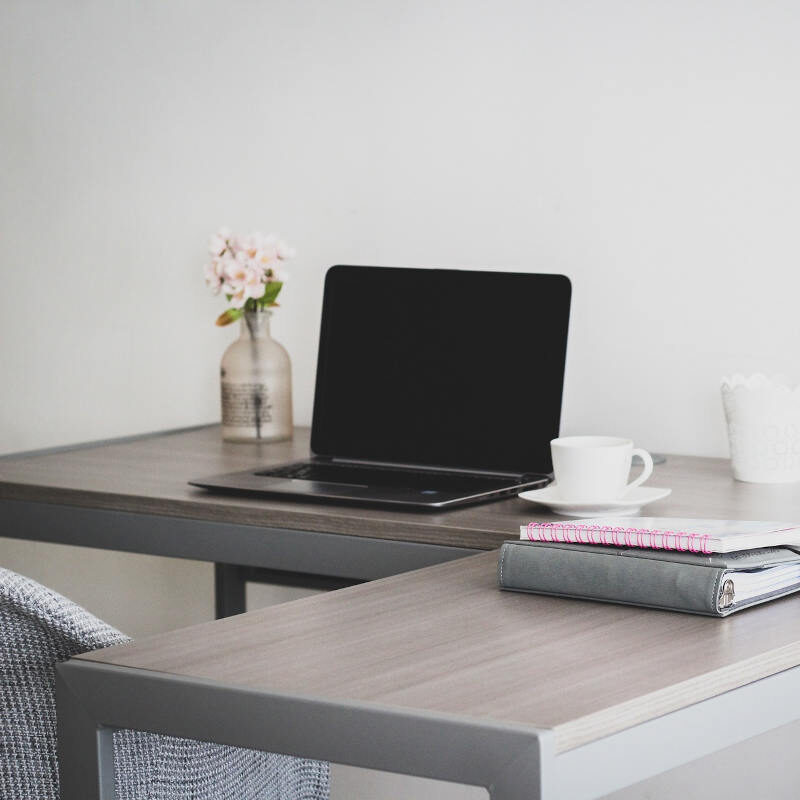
<point x="689" y="582"/>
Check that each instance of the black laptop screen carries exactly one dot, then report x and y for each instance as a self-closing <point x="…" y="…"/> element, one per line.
<point x="441" y="367"/>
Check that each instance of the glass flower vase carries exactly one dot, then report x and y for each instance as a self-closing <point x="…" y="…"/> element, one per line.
<point x="256" y="383"/>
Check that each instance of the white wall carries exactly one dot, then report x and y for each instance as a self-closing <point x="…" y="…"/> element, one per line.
<point x="648" y="150"/>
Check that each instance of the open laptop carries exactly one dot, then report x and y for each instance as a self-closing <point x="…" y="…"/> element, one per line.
<point x="435" y="388"/>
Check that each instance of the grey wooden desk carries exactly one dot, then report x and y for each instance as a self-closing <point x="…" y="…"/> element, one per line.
<point x="131" y="494"/>
<point x="437" y="673"/>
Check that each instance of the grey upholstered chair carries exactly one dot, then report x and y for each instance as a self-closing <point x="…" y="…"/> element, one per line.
<point x="39" y="628"/>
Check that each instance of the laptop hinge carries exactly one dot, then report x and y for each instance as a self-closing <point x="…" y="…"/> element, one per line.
<point x="417" y="467"/>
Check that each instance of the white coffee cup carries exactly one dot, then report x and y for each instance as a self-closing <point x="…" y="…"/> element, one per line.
<point x="596" y="468"/>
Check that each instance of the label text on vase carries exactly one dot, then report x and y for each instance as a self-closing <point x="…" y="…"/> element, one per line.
<point x="245" y="405"/>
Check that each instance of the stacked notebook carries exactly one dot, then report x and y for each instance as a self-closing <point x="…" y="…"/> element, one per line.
<point x="700" y="566"/>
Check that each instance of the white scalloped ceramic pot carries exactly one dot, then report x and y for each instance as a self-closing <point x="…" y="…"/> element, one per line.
<point x="763" y="416"/>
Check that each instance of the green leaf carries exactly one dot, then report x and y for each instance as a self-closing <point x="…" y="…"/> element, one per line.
<point x="271" y="292"/>
<point x="231" y="315"/>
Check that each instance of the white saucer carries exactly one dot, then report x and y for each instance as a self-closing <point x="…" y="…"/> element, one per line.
<point x="624" y="506"/>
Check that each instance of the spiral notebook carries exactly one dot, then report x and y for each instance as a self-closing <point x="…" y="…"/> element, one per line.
<point x="667" y="533"/>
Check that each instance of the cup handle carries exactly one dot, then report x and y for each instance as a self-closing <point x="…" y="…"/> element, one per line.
<point x="647" y="470"/>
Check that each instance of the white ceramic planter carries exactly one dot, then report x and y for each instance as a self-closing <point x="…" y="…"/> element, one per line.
<point x="763" y="416"/>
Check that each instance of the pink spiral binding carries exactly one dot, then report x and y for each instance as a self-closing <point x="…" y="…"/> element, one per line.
<point x="577" y="533"/>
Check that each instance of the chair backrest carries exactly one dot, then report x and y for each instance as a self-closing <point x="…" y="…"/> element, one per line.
<point x="38" y="628"/>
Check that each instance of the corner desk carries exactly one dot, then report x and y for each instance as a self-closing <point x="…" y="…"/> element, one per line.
<point x="132" y="494"/>
<point x="425" y="669"/>
<point x="439" y="674"/>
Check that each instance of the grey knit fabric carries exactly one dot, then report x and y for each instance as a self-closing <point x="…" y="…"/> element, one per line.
<point x="39" y="628"/>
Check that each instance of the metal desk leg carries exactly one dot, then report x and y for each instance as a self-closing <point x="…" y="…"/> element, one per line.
<point x="230" y="583"/>
<point x="229" y="590"/>
<point x="513" y="762"/>
<point x="85" y="749"/>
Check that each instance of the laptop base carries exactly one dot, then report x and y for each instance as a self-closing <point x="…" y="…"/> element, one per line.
<point x="423" y="489"/>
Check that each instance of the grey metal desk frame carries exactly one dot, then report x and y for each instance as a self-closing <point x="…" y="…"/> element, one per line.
<point x="240" y="553"/>
<point x="513" y="762"/>
<point x="275" y="555"/>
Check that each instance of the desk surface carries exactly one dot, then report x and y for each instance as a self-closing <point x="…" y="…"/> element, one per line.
<point x="595" y="682"/>
<point x="149" y="476"/>
<point x="445" y="639"/>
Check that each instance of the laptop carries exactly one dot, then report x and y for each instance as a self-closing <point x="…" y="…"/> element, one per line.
<point x="435" y="388"/>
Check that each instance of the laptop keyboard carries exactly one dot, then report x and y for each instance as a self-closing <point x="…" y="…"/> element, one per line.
<point x="358" y="475"/>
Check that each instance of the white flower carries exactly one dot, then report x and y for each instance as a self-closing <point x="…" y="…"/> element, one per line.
<point x="236" y="288"/>
<point x="267" y="261"/>
<point x="219" y="241"/>
<point x="235" y="272"/>
<point x="285" y="252"/>
<point x="214" y="276"/>
<point x="254" y="283"/>
<point x="241" y="266"/>
<point x="243" y="261"/>
<point x="269" y="247"/>
<point x="250" y="244"/>
<point x="218" y="265"/>
<point x="242" y="281"/>
<point x="278" y="274"/>
<point x="238" y="297"/>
